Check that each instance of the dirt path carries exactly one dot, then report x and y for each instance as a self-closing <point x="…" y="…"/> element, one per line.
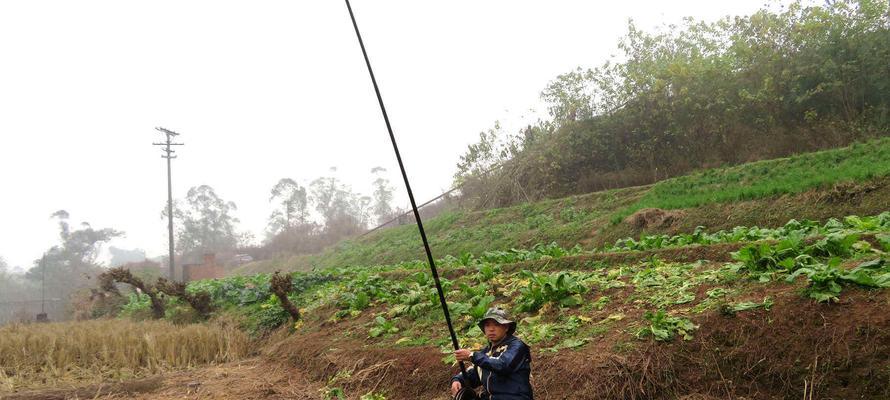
<point x="249" y="379"/>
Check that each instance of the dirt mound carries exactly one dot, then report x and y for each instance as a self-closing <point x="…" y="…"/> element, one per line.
<point x="847" y="193"/>
<point x="654" y="218"/>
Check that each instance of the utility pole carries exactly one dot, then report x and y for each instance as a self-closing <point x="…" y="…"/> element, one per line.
<point x="42" y="316"/>
<point x="168" y="154"/>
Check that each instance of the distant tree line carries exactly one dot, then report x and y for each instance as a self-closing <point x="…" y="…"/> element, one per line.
<point x="694" y="96"/>
<point x="304" y="219"/>
<point x="67" y="269"/>
<point x="307" y="219"/>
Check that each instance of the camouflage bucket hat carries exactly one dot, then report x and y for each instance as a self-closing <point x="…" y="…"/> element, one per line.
<point x="500" y="316"/>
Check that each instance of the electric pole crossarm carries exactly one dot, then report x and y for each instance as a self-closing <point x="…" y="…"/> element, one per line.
<point x="167" y="131"/>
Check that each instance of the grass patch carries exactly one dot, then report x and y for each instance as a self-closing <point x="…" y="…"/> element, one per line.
<point x="761" y="179"/>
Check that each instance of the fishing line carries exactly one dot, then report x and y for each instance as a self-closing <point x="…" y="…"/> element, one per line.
<point x="395" y="147"/>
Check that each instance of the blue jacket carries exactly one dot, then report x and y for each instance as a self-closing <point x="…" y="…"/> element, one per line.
<point x="503" y="371"/>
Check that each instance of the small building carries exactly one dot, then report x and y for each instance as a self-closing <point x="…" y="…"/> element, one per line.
<point x="208" y="269"/>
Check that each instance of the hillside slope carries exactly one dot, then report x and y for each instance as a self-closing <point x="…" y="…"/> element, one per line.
<point x="820" y="185"/>
<point x="792" y="308"/>
<point x="792" y="312"/>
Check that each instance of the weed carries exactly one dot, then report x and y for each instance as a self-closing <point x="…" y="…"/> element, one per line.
<point x="333" y="393"/>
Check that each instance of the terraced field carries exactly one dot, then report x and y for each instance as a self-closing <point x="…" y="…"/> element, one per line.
<point x="820" y="185"/>
<point x="751" y="312"/>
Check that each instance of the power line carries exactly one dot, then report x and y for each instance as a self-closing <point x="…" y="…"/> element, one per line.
<point x="428" y="202"/>
<point x="408" y="212"/>
<point x="169" y="156"/>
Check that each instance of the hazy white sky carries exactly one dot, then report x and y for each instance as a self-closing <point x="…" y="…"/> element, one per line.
<point x="262" y="90"/>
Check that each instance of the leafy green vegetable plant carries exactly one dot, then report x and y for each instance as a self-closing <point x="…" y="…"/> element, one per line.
<point x="382" y="327"/>
<point x="732" y="309"/>
<point x="561" y="289"/>
<point x="826" y="280"/>
<point x="663" y="327"/>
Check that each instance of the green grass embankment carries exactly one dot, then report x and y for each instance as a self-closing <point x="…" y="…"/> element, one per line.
<point x="859" y="162"/>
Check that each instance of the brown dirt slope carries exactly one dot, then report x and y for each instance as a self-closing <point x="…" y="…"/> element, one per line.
<point x="834" y="351"/>
<point x="797" y="349"/>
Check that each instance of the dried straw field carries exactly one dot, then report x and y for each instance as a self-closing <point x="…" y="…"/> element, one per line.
<point x="102" y="350"/>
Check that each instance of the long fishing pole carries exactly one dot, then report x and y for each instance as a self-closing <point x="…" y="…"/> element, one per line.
<point x="395" y="147"/>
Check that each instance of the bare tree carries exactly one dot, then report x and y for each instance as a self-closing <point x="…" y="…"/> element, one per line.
<point x="282" y="285"/>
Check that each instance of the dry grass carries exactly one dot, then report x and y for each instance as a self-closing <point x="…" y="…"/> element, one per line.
<point x="90" y="351"/>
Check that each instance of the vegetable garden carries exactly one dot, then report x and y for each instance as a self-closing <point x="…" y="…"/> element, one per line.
<point x="651" y="322"/>
<point x="652" y="297"/>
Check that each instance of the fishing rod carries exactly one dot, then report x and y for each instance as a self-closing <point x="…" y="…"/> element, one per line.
<point x="395" y="147"/>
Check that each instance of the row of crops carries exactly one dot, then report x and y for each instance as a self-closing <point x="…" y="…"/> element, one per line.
<point x="650" y="298"/>
<point x="794" y="228"/>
